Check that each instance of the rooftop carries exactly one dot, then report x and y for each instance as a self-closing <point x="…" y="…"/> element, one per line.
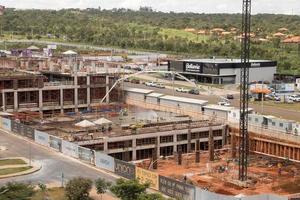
<point x="155" y="94"/>
<point x="221" y="108"/>
<point x="138" y="90"/>
<point x="184" y="100"/>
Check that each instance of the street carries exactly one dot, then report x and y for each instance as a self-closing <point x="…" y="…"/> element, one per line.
<point x="53" y="163"/>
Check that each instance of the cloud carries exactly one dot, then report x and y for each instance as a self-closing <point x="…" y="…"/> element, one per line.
<point x="199" y="6"/>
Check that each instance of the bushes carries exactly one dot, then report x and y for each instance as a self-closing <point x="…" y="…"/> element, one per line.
<point x="78" y="189"/>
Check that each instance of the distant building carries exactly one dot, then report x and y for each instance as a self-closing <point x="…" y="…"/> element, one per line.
<point x="223" y="71"/>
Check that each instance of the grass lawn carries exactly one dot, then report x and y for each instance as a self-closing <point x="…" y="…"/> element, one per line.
<point x="53" y="193"/>
<point x="12" y="162"/>
<point x="8" y="171"/>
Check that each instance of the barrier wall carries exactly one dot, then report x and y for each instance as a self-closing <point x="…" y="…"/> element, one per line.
<point x="15" y="127"/>
<point x="85" y="154"/>
<point x="176" y="189"/>
<point x="145" y="176"/>
<point x="41" y="138"/>
<point x="69" y="149"/>
<point x="206" y="195"/>
<point x="124" y="169"/>
<point x="29" y="132"/>
<point x="264" y="197"/>
<point x="6" y="124"/>
<point x="55" y="143"/>
<point x="104" y="161"/>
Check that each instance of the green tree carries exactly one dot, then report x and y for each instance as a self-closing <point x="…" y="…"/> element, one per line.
<point x="78" y="189"/>
<point x="102" y="186"/>
<point x="128" y="189"/>
<point x="20" y="191"/>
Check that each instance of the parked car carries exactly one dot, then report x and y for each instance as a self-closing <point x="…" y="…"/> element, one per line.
<point x="223" y="103"/>
<point x="194" y="91"/>
<point x="160" y="85"/>
<point x="295" y="98"/>
<point x="135" y="81"/>
<point x="127" y="67"/>
<point x="150" y="84"/>
<point x="230" y="96"/>
<point x="181" y="89"/>
<point x="277" y="98"/>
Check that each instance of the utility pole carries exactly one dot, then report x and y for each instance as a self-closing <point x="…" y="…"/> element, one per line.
<point x="244" y="91"/>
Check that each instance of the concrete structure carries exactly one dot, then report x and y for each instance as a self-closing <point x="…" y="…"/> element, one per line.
<point x="177" y="134"/>
<point x="223" y="71"/>
<point x="49" y="92"/>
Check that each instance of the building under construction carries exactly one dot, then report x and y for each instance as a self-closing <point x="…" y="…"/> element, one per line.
<point x="49" y="92"/>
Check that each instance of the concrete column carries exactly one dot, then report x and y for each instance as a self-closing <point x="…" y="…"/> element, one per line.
<point x="289" y="152"/>
<point x="158" y="147"/>
<point x="224" y="131"/>
<point x="189" y="136"/>
<point x="41" y="101"/>
<point x="3" y="101"/>
<point x="61" y="101"/>
<point x="105" y="148"/>
<point x="175" y="143"/>
<point x="211" y="147"/>
<point x="16" y="103"/>
<point x="76" y="92"/>
<point x="284" y="151"/>
<point x="107" y="88"/>
<point x="88" y="90"/>
<point x="134" y="149"/>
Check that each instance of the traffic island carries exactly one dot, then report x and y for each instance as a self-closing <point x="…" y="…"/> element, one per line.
<point x="12" y="167"/>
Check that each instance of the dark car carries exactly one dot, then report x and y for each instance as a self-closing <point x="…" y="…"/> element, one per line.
<point x="194" y="91"/>
<point x="135" y="81"/>
<point x="230" y="96"/>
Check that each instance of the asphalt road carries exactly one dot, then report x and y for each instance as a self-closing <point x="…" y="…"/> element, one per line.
<point x="53" y="163"/>
<point x="212" y="99"/>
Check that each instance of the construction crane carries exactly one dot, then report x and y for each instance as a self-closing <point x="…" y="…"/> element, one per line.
<point x="244" y="91"/>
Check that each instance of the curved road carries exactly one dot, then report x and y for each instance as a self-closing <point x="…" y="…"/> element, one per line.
<point x="53" y="163"/>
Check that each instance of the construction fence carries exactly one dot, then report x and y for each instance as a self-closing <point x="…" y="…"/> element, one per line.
<point x="170" y="187"/>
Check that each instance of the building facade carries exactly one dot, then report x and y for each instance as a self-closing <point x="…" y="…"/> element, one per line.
<point x="223" y="71"/>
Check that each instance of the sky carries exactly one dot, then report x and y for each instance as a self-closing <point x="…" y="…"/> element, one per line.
<point x="197" y="6"/>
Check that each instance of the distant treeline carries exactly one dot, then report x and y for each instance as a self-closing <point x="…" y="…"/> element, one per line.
<point x="143" y="29"/>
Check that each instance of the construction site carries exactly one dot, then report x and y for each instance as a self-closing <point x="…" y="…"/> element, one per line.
<point x="266" y="175"/>
<point x="174" y="136"/>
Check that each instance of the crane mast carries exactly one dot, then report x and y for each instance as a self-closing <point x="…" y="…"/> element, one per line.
<point x="244" y="91"/>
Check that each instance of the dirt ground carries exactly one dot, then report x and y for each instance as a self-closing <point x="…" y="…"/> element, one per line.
<point x="266" y="175"/>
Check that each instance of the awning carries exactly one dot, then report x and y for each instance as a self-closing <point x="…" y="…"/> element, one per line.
<point x="85" y="124"/>
<point x="102" y="121"/>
